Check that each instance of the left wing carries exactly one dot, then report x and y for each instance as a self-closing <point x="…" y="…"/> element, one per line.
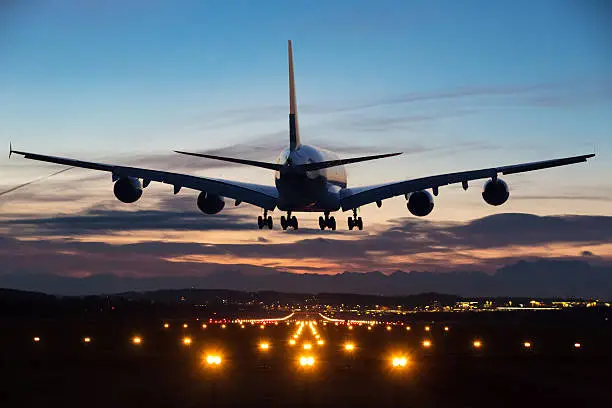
<point x="356" y="197"/>
<point x="258" y="195"/>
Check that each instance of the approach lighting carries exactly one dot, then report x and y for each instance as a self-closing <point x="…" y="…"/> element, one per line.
<point x="426" y="343"/>
<point x="136" y="340"/>
<point x="307" y="361"/>
<point x="264" y="346"/>
<point x="166" y="325"/>
<point x="36" y="339"/>
<point x="527" y="344"/>
<point x="187" y="341"/>
<point x="307" y="346"/>
<point x="213" y="359"/>
<point x="399" y="362"/>
<point x="477" y="344"/>
<point x="86" y="339"/>
<point x="349" y="347"/>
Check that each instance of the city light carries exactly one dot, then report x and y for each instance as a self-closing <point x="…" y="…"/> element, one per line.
<point x="307" y="361"/>
<point x="477" y="344"/>
<point x="213" y="359"/>
<point x="426" y="343"/>
<point x="264" y="346"/>
<point x="399" y="362"/>
<point x="187" y="341"/>
<point x="349" y="347"/>
<point x="136" y="340"/>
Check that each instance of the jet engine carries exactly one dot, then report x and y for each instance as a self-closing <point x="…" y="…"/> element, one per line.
<point x="210" y="203"/>
<point x="495" y="192"/>
<point x="128" y="189"/>
<point x="420" y="203"/>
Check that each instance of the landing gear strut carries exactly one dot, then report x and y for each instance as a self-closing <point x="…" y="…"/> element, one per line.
<point x="327" y="222"/>
<point x="265" y="221"/>
<point x="355" y="221"/>
<point x="289" y="221"/>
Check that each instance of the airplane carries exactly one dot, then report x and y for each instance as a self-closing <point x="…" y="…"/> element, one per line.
<point x="307" y="179"/>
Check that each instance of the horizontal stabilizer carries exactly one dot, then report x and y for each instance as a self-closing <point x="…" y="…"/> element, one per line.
<point x="264" y="165"/>
<point x="341" y="162"/>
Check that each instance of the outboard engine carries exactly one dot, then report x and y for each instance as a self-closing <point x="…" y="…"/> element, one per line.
<point x="128" y="189"/>
<point x="420" y="203"/>
<point x="495" y="192"/>
<point x="210" y="203"/>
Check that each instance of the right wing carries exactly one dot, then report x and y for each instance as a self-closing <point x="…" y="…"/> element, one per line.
<point x="258" y="195"/>
<point x="356" y="197"/>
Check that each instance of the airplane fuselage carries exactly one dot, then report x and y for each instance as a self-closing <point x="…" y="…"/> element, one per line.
<point x="311" y="191"/>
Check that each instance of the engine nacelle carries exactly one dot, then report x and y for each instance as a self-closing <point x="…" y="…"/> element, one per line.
<point x="128" y="189"/>
<point x="495" y="192"/>
<point x="420" y="203"/>
<point x="210" y="203"/>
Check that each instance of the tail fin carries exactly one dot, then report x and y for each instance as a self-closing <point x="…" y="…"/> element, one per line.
<point x="294" y="129"/>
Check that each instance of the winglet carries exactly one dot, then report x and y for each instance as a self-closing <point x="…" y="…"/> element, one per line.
<point x="10" y="149"/>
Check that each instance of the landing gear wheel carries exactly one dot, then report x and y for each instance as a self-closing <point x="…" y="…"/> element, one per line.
<point x="360" y="223"/>
<point x="294" y="222"/>
<point x="284" y="223"/>
<point x="322" y="223"/>
<point x="260" y="222"/>
<point x="331" y="223"/>
<point x="269" y="222"/>
<point x="350" y="223"/>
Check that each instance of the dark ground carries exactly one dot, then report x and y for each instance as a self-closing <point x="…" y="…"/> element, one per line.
<point x="62" y="371"/>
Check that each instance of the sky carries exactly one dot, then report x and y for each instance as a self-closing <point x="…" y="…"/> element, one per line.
<point x="454" y="85"/>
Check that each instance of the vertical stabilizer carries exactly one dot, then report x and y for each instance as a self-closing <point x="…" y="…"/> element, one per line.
<point x="294" y="129"/>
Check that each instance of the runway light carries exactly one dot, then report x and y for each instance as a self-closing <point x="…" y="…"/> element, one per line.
<point x="446" y="328"/>
<point x="426" y="343"/>
<point x="262" y="327"/>
<point x="36" y="339"/>
<point x="369" y="327"/>
<point x="577" y="345"/>
<point x="307" y="346"/>
<point x="292" y="342"/>
<point x="264" y="346"/>
<point x="388" y="328"/>
<point x="349" y="347"/>
<point x="213" y="359"/>
<point x="86" y="339"/>
<point x="408" y="328"/>
<point x="320" y="342"/>
<point x="307" y="361"/>
<point x="527" y="344"/>
<point x="399" y="362"/>
<point x="350" y="327"/>
<point x="427" y="328"/>
<point x="185" y="325"/>
<point x="223" y="326"/>
<point x="136" y="340"/>
<point x="477" y="344"/>
<point x="187" y="341"/>
<point x="166" y="325"/>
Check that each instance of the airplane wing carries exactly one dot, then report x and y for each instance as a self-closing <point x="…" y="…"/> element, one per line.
<point x="258" y="195"/>
<point x="356" y="197"/>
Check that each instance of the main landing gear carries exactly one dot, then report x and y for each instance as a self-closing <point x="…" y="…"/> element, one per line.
<point x="289" y="221"/>
<point x="327" y="222"/>
<point x="265" y="221"/>
<point x="355" y="221"/>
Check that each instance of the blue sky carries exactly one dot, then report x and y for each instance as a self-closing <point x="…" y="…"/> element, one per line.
<point x="455" y="85"/>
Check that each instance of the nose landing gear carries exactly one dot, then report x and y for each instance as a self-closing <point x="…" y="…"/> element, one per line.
<point x="265" y="221"/>
<point x="355" y="221"/>
<point x="327" y="222"/>
<point x="289" y="221"/>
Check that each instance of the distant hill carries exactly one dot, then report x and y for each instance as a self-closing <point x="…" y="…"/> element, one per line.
<point x="543" y="278"/>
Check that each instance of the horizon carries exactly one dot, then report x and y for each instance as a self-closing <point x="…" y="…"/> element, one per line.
<point x="453" y="87"/>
